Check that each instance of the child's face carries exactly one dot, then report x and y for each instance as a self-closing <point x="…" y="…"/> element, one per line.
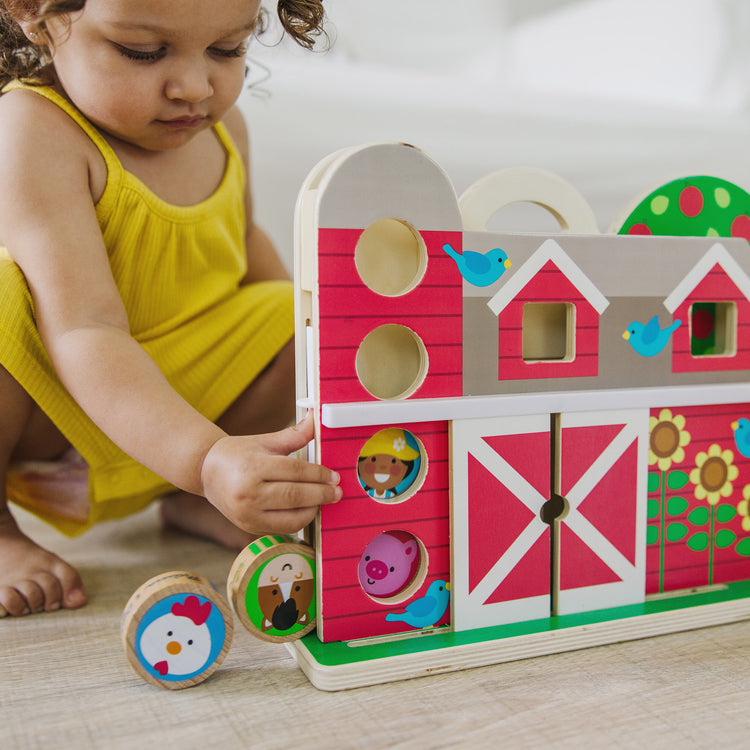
<point x="154" y="73"/>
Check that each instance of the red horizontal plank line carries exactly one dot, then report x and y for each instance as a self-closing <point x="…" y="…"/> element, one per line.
<point x="425" y="434"/>
<point x="432" y="532"/>
<point x="331" y="564"/>
<point x="358" y="494"/>
<point x="710" y="412"/>
<point x="434" y="463"/>
<point x="344" y="433"/>
<point x="353" y="527"/>
<point x="342" y="589"/>
<point x="382" y="608"/>
<point x="355" y="587"/>
<point x="368" y="314"/>
<point x="353" y="379"/>
<point x="427" y="431"/>
<point x="339" y="383"/>
<point x="341" y="285"/>
<point x="344" y="249"/>
<point x="438" y="551"/>
<point x="351" y="347"/>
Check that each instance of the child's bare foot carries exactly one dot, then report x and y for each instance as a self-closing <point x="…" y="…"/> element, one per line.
<point x="31" y="578"/>
<point x="195" y="515"/>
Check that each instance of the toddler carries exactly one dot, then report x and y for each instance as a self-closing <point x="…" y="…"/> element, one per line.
<point x="146" y="322"/>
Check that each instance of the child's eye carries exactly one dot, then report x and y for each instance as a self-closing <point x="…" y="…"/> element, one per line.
<point x="140" y="55"/>
<point x="238" y="51"/>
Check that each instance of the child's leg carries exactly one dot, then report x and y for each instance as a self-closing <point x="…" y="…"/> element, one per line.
<point x="266" y="405"/>
<point x="31" y="578"/>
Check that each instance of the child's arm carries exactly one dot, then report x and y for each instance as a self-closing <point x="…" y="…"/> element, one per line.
<point x="263" y="262"/>
<point x="48" y="223"/>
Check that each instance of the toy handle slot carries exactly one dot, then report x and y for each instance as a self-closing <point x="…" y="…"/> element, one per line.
<point x="531" y="185"/>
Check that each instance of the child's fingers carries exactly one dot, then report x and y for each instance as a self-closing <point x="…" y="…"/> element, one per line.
<point x="289" y="469"/>
<point x="292" y="439"/>
<point x="285" y="495"/>
<point x="287" y="521"/>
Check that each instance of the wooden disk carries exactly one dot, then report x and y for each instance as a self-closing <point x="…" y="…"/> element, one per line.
<point x="176" y="630"/>
<point x="271" y="588"/>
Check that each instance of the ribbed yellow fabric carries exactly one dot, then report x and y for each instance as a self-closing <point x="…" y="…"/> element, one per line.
<point x="178" y="271"/>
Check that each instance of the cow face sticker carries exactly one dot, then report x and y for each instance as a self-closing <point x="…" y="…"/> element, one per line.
<point x="283" y="600"/>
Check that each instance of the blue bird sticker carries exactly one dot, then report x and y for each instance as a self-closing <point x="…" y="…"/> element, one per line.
<point x="425" y="612"/>
<point x="741" y="429"/>
<point x="480" y="269"/>
<point x="649" y="339"/>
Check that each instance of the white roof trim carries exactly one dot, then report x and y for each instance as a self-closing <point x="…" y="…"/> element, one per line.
<point x="716" y="254"/>
<point x="548" y="250"/>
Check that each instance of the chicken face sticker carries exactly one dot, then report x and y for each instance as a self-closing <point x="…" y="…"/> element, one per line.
<point x="282" y="601"/>
<point x="389" y="464"/>
<point x="180" y="637"/>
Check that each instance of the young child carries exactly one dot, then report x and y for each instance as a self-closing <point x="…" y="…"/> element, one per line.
<point x="145" y="320"/>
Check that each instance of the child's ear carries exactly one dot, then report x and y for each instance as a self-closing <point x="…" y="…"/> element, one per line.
<point x="33" y="32"/>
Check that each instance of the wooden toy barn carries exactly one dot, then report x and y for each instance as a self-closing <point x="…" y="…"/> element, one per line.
<point x="537" y="434"/>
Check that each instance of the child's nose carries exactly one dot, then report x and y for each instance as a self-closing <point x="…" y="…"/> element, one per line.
<point x="191" y="82"/>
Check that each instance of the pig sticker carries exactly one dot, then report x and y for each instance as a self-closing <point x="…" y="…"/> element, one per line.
<point x="388" y="564"/>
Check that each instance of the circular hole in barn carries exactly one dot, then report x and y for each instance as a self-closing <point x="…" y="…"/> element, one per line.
<point x="391" y="362"/>
<point x="391" y="257"/>
<point x="392" y="567"/>
<point x="392" y="465"/>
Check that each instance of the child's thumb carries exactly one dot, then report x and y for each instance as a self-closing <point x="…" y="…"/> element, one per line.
<point x="296" y="437"/>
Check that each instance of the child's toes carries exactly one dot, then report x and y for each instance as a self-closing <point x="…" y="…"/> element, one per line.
<point x="73" y="591"/>
<point x="52" y="591"/>
<point x="12" y="602"/>
<point x="32" y="594"/>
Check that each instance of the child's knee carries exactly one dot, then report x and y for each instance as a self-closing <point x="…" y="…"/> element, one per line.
<point x="28" y="433"/>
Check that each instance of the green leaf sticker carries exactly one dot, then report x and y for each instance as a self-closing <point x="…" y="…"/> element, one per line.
<point x="676" y="480"/>
<point x="698" y="516"/>
<point x="652" y="508"/>
<point x="676" y="506"/>
<point x="652" y="535"/>
<point x="743" y="548"/>
<point x="725" y="513"/>
<point x="653" y="481"/>
<point x="698" y="542"/>
<point x="676" y="531"/>
<point x="724" y="538"/>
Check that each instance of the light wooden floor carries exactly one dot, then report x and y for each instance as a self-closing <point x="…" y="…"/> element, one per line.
<point x="65" y="682"/>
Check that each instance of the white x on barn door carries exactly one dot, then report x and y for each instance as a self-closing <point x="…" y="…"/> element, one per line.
<point x="503" y="474"/>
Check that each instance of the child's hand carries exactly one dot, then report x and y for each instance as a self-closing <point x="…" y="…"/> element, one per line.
<point x="258" y="486"/>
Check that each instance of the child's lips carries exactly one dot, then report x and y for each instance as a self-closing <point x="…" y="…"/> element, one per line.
<point x="192" y="121"/>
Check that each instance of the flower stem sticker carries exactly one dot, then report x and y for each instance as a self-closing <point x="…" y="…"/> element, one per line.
<point x="667" y="441"/>
<point x="713" y="476"/>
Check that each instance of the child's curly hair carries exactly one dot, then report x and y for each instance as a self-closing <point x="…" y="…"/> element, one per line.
<point x="21" y="59"/>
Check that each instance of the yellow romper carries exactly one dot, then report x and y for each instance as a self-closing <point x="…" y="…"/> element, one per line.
<point x="178" y="271"/>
